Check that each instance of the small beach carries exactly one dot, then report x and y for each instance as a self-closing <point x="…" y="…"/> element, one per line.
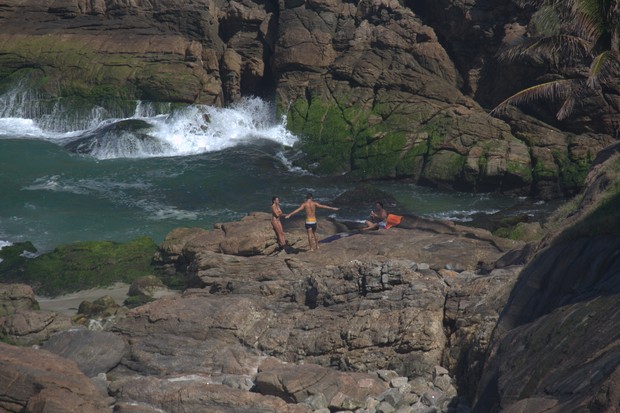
<point x="69" y="303"/>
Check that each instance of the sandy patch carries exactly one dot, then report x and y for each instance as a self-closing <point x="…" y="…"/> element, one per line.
<point x="69" y="303"/>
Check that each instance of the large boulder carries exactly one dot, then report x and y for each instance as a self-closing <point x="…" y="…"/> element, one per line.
<point x="15" y="298"/>
<point x="39" y="381"/>
<point x="32" y="327"/>
<point x="94" y="352"/>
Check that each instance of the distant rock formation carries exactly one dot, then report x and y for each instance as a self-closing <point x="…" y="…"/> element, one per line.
<point x="379" y="89"/>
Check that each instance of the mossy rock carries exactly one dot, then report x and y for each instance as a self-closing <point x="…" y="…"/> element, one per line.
<point x="13" y="260"/>
<point x="344" y="135"/>
<point x="84" y="265"/>
<point x="444" y="167"/>
<point x="523" y="231"/>
<point x="596" y="210"/>
<point x="66" y="66"/>
<point x="326" y="136"/>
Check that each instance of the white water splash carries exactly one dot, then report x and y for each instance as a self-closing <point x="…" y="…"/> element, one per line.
<point x="10" y="127"/>
<point x="192" y="130"/>
<point x="199" y="129"/>
<point x="2" y="245"/>
<point x="462" y="215"/>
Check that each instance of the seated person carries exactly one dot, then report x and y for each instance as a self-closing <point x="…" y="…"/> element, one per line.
<point x="378" y="217"/>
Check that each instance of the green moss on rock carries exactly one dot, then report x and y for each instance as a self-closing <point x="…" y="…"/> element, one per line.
<point x="85" y="265"/>
<point x="12" y="259"/>
<point x="326" y="136"/>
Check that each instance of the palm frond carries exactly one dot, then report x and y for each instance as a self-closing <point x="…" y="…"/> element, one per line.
<point x="535" y="48"/>
<point x="567" y="107"/>
<point x="590" y="19"/>
<point x="525" y="3"/>
<point x="604" y="69"/>
<point x="554" y="90"/>
<point x="545" y="21"/>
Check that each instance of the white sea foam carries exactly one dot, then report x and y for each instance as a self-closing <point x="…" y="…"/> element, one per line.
<point x="192" y="130"/>
<point x="4" y="244"/>
<point x="199" y="129"/>
<point x="57" y="183"/>
<point x="20" y="127"/>
<point x="288" y="164"/>
<point x="462" y="215"/>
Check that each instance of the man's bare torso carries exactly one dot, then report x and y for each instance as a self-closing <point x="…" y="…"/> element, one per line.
<point x="310" y="209"/>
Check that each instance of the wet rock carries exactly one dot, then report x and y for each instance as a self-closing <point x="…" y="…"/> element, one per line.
<point x="94" y="352"/>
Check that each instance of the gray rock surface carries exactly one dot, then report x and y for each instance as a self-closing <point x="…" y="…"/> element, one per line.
<point x="94" y="352"/>
<point x="38" y="381"/>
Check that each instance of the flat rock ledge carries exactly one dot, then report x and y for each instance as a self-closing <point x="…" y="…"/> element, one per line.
<point x="378" y="321"/>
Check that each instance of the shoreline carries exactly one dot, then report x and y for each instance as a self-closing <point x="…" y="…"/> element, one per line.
<point x="69" y="303"/>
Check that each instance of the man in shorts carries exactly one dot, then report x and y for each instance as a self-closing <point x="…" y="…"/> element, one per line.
<point x="309" y="206"/>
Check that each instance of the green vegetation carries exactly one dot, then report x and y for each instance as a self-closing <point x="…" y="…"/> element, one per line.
<point x="341" y="136"/>
<point x="326" y="136"/>
<point x="13" y="259"/>
<point x="82" y="265"/>
<point x="566" y="35"/>
<point x="522" y="231"/>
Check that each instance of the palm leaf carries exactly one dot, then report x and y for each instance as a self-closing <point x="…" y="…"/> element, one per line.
<point x="590" y="19"/>
<point x="567" y="107"/>
<point x="604" y="69"/>
<point x="554" y="90"/>
<point x="535" y="48"/>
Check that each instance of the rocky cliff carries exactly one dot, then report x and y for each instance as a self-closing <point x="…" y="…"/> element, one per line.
<point x="556" y="346"/>
<point x="380" y="89"/>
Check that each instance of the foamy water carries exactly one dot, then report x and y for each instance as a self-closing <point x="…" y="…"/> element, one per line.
<point x="192" y="130"/>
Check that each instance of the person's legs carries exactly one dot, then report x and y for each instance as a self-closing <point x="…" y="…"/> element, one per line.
<point x="310" y="239"/>
<point x="370" y="225"/>
<point x="316" y="238"/>
<point x="280" y="234"/>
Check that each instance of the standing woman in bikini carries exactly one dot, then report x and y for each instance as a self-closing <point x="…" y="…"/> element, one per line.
<point x="276" y="213"/>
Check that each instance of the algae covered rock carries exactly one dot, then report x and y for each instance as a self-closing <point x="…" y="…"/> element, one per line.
<point x="84" y="265"/>
<point x="13" y="258"/>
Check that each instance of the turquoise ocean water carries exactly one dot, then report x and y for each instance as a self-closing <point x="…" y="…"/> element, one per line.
<point x="66" y="177"/>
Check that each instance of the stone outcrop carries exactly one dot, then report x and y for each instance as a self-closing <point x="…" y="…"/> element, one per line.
<point x="20" y="321"/>
<point x="377" y="88"/>
<point x="15" y="298"/>
<point x="32" y="327"/>
<point x="555" y="347"/>
<point x="94" y="352"/>
<point x="357" y="325"/>
<point x="38" y="381"/>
